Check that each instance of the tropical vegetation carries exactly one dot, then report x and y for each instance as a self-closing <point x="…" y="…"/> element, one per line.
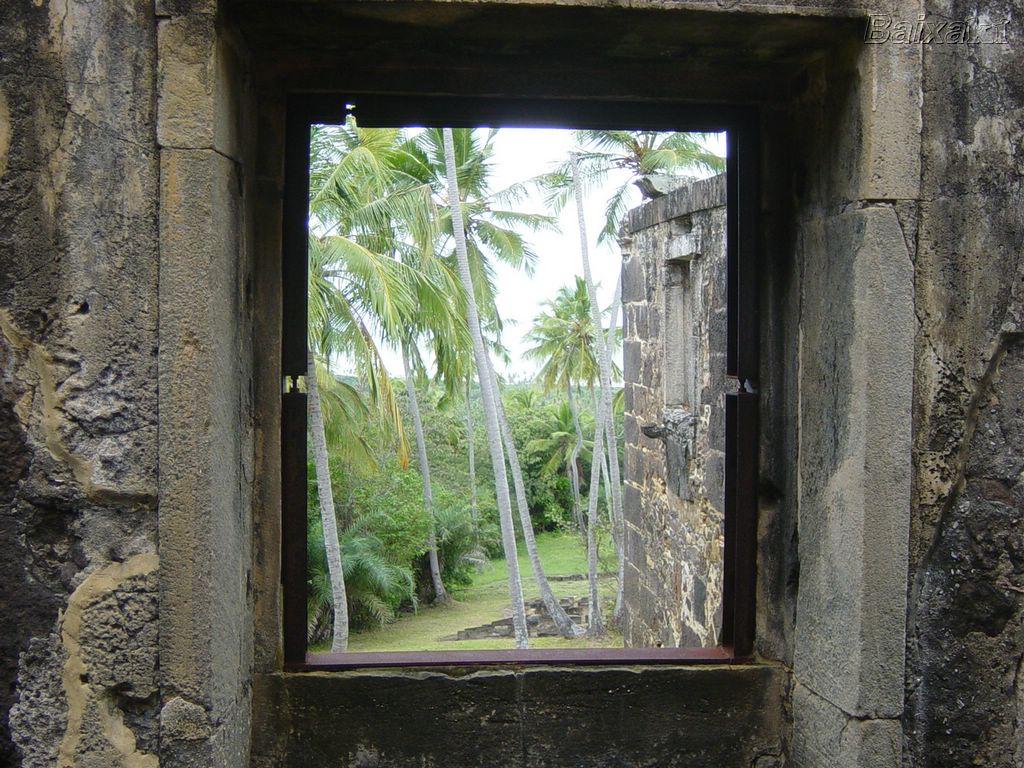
<point x="406" y="233"/>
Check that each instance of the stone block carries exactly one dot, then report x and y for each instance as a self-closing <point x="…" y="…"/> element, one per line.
<point x="714" y="479"/>
<point x="855" y="476"/>
<point x="631" y="356"/>
<point x="890" y="146"/>
<point x="720" y="725"/>
<point x="824" y="735"/>
<point x="118" y="637"/>
<point x="969" y="609"/>
<point x="199" y="86"/>
<point x="39" y="719"/>
<point x="640" y="325"/>
<point x="187" y="81"/>
<point x="536" y="717"/>
<point x="205" y="441"/>
<point x="634" y="281"/>
<point x="633" y="469"/>
<point x="654" y="323"/>
<point x="628" y="395"/>
<point x="630" y="499"/>
<point x="631" y="432"/>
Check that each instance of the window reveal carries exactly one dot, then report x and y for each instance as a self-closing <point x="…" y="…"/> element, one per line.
<point x="740" y="448"/>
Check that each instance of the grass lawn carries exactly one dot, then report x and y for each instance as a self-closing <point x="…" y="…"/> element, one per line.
<point x="486" y="599"/>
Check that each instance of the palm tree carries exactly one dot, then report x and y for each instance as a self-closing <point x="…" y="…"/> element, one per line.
<point x="445" y="328"/>
<point x="646" y="156"/>
<point x="493" y="231"/>
<point x="596" y="623"/>
<point x="564" y="446"/>
<point x="488" y="395"/>
<point x="440" y="594"/>
<point x="407" y="232"/>
<point x="374" y="585"/>
<point x="566" y="626"/>
<point x="614" y="478"/>
<point x="336" y="327"/>
<point x="564" y="339"/>
<point x="358" y="292"/>
<point x="329" y="520"/>
<point x="471" y="457"/>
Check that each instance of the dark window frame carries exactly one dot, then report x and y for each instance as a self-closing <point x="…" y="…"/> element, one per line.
<point x="742" y="359"/>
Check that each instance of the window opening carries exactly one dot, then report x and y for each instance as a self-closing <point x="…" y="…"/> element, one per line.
<point x="375" y="300"/>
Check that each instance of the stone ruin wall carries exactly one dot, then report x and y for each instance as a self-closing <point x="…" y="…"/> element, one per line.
<point x="78" y="386"/>
<point x="674" y="303"/>
<point x="123" y="313"/>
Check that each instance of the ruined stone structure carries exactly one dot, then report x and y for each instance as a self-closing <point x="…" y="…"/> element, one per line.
<point x="674" y="302"/>
<point x="141" y="176"/>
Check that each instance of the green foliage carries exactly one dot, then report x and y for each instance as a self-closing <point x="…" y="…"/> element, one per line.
<point x="375" y="584"/>
<point x="495" y="230"/>
<point x="532" y="419"/>
<point x="645" y="154"/>
<point x="457" y="547"/>
<point x="378" y="224"/>
<point x="390" y="504"/>
<point x="564" y="341"/>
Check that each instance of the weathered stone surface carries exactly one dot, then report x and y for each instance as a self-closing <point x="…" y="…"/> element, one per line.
<point x="964" y="617"/>
<point x="77" y="334"/>
<point x="891" y="85"/>
<point x="206" y="453"/>
<point x="531" y="718"/>
<point x="855" y="476"/>
<point x="199" y="84"/>
<point x="118" y="638"/>
<point x="836" y="740"/>
<point x="968" y="628"/>
<point x="79" y="306"/>
<point x="75" y="707"/>
<point x="187" y="111"/>
<point x="40" y="717"/>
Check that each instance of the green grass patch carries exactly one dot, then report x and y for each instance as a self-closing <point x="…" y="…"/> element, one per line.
<point x="562" y="554"/>
<point x="486" y="599"/>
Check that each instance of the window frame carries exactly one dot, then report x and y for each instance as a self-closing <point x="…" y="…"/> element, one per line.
<point x="741" y="123"/>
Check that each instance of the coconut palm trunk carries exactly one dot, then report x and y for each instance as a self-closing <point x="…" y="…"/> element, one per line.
<point x="472" y="465"/>
<point x="573" y="467"/>
<point x="615" y="477"/>
<point x="596" y="624"/>
<point x="332" y="544"/>
<point x="440" y="594"/>
<point x="566" y="626"/>
<point x="487" y="396"/>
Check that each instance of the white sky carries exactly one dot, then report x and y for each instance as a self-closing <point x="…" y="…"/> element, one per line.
<point x="520" y="154"/>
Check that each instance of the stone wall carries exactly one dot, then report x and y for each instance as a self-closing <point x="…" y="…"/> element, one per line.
<point x="965" y="639"/>
<point x="79" y="177"/>
<point x="123" y="315"/>
<point x="674" y="305"/>
<point x="838" y="257"/>
<point x="209" y="438"/>
<point x="553" y="717"/>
